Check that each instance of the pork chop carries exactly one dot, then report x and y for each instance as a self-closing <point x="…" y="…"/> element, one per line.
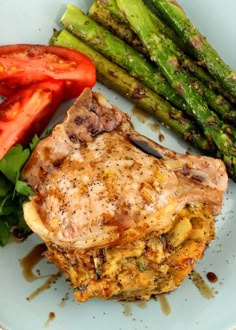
<point x="121" y="215"/>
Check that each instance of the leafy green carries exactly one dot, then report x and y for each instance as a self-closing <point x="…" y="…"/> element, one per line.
<point x="34" y="142"/>
<point x="13" y="191"/>
<point x="4" y="233"/>
<point x="5" y="185"/>
<point x="12" y="162"/>
<point x="7" y="205"/>
<point x="10" y="219"/>
<point x="23" y="188"/>
<point x="22" y="225"/>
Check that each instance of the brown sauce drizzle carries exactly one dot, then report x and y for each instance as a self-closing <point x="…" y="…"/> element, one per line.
<point x="165" y="306"/>
<point x="161" y="137"/>
<point x="31" y="260"/>
<point x="203" y="288"/>
<point x="46" y="285"/>
<point x="127" y="308"/>
<point x="212" y="277"/>
<point x="141" y="304"/>
<point x="51" y="317"/>
<point x="140" y="114"/>
<point x="64" y="300"/>
<point x="154" y="127"/>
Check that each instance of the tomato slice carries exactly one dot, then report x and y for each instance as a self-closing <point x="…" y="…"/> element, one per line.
<point x="28" y="112"/>
<point x="5" y="91"/>
<point x="24" y="64"/>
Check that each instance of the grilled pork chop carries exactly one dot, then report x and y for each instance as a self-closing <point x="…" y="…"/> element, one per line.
<point x="122" y="216"/>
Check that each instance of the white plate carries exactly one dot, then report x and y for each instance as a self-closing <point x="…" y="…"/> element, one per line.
<point x="27" y="21"/>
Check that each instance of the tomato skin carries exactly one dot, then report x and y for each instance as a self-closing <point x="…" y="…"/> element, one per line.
<point x="24" y="64"/>
<point x="28" y="112"/>
<point x="5" y="91"/>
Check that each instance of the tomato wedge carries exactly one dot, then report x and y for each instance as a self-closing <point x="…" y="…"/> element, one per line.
<point x="28" y="112"/>
<point x="24" y="64"/>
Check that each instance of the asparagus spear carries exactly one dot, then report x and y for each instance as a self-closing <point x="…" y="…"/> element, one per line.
<point x="115" y="77"/>
<point x="131" y="60"/>
<point x="204" y="52"/>
<point x="108" y="13"/>
<point x="216" y="101"/>
<point x="119" y="52"/>
<point x="116" y="25"/>
<point x="213" y="127"/>
<point x="111" y="6"/>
